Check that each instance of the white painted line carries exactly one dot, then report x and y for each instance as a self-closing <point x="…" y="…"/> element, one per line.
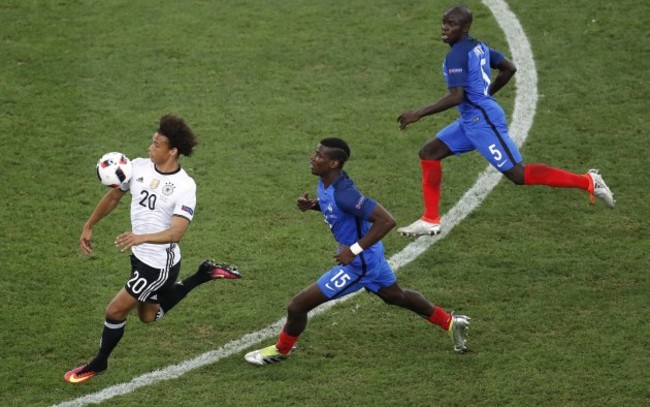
<point x="522" y="120"/>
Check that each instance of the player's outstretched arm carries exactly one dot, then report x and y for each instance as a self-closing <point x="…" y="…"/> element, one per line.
<point x="109" y="201"/>
<point x="451" y="99"/>
<point x="506" y="71"/>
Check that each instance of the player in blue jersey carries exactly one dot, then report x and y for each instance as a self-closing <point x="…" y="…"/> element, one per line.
<point x="482" y="124"/>
<point x="358" y="224"/>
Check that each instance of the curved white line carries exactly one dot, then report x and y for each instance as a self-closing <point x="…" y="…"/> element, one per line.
<point x="522" y="120"/>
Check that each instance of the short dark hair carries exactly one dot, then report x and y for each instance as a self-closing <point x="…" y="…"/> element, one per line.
<point x="464" y="12"/>
<point x="178" y="133"/>
<point x="339" y="149"/>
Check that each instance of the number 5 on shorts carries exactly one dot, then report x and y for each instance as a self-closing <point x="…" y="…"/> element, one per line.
<point x="495" y="152"/>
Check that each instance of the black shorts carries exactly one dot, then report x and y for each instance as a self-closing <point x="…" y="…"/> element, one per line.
<point x="147" y="282"/>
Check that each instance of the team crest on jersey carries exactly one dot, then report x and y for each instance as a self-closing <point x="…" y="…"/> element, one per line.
<point x="330" y="214"/>
<point x="154" y="183"/>
<point x="168" y="189"/>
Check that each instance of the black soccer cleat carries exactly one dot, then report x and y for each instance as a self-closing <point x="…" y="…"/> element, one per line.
<point x="219" y="271"/>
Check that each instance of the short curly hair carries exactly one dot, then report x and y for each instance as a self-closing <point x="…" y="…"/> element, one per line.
<point x="178" y="133"/>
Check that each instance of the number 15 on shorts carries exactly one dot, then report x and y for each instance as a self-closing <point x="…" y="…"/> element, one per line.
<point x="339" y="280"/>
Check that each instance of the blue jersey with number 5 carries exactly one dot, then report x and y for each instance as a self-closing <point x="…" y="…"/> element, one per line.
<point x="468" y="65"/>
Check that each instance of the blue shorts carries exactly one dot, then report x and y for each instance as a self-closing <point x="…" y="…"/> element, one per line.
<point x="489" y="139"/>
<point x="340" y="281"/>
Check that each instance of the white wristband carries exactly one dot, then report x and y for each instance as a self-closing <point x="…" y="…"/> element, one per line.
<point x="356" y="249"/>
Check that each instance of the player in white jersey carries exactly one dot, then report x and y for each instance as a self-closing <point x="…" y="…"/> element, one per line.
<point x="163" y="199"/>
<point x="171" y="194"/>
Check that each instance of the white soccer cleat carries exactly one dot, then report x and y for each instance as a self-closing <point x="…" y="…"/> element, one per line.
<point x="419" y="228"/>
<point x="600" y="189"/>
<point x="458" y="332"/>
<point x="265" y="356"/>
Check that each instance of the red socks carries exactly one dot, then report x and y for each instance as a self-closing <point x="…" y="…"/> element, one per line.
<point x="285" y="342"/>
<point x="431" y="178"/>
<point x="440" y="318"/>
<point x="540" y="174"/>
<point x="534" y="174"/>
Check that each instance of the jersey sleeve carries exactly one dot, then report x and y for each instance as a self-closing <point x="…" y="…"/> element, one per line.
<point x="350" y="200"/>
<point x="456" y="68"/>
<point x="495" y="58"/>
<point x="186" y="202"/>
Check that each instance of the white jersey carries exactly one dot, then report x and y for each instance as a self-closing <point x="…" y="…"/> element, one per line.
<point x="155" y="198"/>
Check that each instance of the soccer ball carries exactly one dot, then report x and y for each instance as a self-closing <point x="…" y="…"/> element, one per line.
<point x="114" y="169"/>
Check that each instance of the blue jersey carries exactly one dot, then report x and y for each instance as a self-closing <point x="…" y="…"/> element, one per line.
<point x="482" y="124"/>
<point x="468" y="65"/>
<point x="346" y="212"/>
